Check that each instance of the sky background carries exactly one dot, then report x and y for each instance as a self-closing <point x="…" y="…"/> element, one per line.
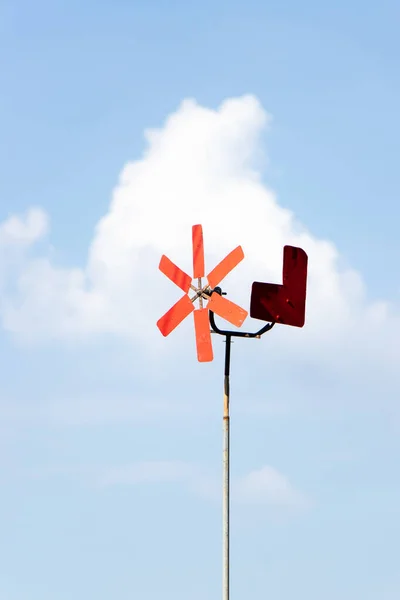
<point x="110" y="435"/>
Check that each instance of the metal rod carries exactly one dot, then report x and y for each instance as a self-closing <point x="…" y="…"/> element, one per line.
<point x="226" y="432"/>
<point x="200" y="297"/>
<point x="225" y="474"/>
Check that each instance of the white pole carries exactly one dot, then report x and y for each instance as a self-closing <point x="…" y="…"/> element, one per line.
<point x="225" y="477"/>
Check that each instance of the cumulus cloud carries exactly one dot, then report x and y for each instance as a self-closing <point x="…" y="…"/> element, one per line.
<point x="268" y="486"/>
<point x="17" y="231"/>
<point x="201" y="166"/>
<point x="265" y="487"/>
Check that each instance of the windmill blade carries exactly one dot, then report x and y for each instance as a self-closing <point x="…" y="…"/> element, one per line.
<point x="227" y="310"/>
<point x="198" y="251"/>
<point x="176" y="314"/>
<point x="175" y="274"/>
<point x="225" y="266"/>
<point x="203" y="336"/>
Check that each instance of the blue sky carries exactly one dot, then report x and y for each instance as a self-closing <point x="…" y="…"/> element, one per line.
<point x="110" y="436"/>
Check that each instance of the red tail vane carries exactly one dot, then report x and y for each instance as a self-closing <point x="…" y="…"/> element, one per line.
<point x="285" y="303"/>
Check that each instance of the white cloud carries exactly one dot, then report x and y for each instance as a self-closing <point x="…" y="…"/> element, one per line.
<point x="266" y="486"/>
<point x="200" y="167"/>
<point x="16" y="231"/>
<point x="263" y="487"/>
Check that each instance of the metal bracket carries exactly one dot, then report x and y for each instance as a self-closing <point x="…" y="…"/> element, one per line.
<point x="243" y="334"/>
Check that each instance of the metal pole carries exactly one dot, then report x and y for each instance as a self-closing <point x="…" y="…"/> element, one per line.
<point x="225" y="456"/>
<point x="225" y="476"/>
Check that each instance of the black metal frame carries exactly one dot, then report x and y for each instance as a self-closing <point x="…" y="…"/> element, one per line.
<point x="230" y="334"/>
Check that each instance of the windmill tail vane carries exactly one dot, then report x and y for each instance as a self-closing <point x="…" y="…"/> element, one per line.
<point x="203" y="294"/>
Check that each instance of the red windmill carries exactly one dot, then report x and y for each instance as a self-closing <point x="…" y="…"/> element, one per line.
<point x="275" y="303"/>
<point x="216" y="303"/>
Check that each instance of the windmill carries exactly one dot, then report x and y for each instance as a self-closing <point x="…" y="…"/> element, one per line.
<point x="274" y="303"/>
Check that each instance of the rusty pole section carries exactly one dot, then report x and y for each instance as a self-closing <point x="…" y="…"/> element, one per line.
<point x="225" y="475"/>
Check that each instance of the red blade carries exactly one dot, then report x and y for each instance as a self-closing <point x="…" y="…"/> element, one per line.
<point x="175" y="315"/>
<point x="198" y="251"/>
<point x="203" y="336"/>
<point x="225" y="266"/>
<point x="227" y="310"/>
<point x="175" y="274"/>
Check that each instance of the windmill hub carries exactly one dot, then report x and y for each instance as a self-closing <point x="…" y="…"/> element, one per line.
<point x="202" y="292"/>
